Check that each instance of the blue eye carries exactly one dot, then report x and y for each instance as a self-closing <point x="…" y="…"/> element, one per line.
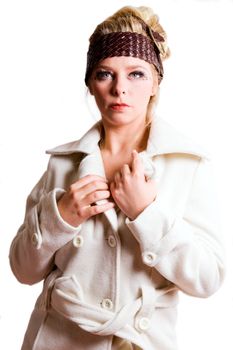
<point x="103" y="75"/>
<point x="137" y="75"/>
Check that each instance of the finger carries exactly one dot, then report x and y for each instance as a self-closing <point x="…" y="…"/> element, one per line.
<point x="98" y="209"/>
<point x="95" y="197"/>
<point x="93" y="187"/>
<point x="117" y="179"/>
<point x="125" y="171"/>
<point x="112" y="187"/>
<point x="137" y="164"/>
<point x="88" y="179"/>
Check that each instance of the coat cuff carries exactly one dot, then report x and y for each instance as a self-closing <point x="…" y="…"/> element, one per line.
<point x="51" y="230"/>
<point x="153" y="230"/>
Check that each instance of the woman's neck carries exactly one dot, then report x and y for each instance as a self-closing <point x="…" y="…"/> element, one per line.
<point x="124" y="139"/>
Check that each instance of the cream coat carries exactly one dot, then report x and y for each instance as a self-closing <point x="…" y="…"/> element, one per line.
<point x="112" y="276"/>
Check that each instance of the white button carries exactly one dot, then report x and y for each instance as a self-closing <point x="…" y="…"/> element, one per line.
<point x="78" y="241"/>
<point x="144" y="323"/>
<point x="36" y="240"/>
<point x="112" y="241"/>
<point x="107" y="304"/>
<point x="149" y="258"/>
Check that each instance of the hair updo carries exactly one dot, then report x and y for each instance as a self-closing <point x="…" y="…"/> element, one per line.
<point x="126" y="20"/>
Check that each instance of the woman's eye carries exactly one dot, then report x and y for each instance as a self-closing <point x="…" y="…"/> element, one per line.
<point x="103" y="75"/>
<point x="137" y="75"/>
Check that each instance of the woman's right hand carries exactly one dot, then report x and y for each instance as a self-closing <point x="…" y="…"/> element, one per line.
<point x="79" y="202"/>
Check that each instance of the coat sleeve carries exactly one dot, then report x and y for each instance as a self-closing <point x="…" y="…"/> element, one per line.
<point x="187" y="249"/>
<point x="40" y="236"/>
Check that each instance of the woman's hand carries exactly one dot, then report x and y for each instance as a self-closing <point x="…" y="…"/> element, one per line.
<point x="130" y="189"/>
<point x="79" y="202"/>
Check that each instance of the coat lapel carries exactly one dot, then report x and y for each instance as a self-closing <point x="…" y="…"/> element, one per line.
<point x="165" y="139"/>
<point x="92" y="164"/>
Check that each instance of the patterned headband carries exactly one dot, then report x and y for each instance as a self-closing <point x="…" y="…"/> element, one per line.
<point x="125" y="44"/>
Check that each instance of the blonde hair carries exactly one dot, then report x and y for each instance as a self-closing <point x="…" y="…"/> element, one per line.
<point x="127" y="19"/>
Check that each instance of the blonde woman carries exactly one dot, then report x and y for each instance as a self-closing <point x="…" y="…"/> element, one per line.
<point x="124" y="218"/>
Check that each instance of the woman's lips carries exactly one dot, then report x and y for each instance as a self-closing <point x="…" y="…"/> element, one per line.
<point x="119" y="106"/>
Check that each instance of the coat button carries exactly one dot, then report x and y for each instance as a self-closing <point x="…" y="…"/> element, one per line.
<point x="144" y="323"/>
<point x="78" y="241"/>
<point x="112" y="241"/>
<point x="107" y="304"/>
<point x="36" y="240"/>
<point x="149" y="258"/>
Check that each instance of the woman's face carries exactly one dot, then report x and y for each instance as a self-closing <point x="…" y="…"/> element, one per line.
<point x="122" y="87"/>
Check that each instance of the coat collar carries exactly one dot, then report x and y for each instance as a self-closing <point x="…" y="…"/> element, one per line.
<point x="163" y="139"/>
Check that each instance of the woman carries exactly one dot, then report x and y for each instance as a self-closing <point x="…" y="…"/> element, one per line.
<point x="125" y="217"/>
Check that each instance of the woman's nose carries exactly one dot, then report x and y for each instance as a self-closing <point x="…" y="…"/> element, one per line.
<point x="119" y="87"/>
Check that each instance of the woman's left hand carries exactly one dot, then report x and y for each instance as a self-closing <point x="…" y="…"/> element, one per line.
<point x="131" y="191"/>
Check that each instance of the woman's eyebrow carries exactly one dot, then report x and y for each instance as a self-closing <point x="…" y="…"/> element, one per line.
<point x="136" y="67"/>
<point x="103" y="67"/>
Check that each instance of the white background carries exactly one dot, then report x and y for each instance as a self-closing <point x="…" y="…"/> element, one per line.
<point x="43" y="103"/>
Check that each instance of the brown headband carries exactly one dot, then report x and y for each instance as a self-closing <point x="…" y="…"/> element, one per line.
<point x="124" y="44"/>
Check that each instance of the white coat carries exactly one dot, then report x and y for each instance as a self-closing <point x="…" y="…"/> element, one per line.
<point x="112" y="276"/>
